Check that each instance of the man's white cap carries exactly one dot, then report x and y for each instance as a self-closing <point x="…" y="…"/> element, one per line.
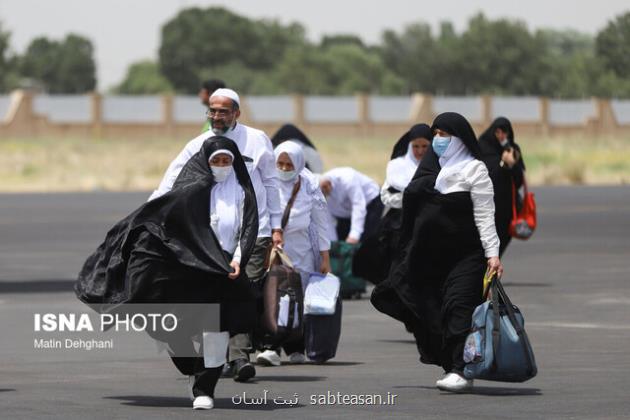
<point x="228" y="93"/>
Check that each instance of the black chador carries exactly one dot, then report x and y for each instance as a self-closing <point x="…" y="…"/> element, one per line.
<point x="166" y="252"/>
<point x="435" y="279"/>
<point x="502" y="176"/>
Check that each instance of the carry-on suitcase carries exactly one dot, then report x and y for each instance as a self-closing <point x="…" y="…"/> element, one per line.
<point x="321" y="334"/>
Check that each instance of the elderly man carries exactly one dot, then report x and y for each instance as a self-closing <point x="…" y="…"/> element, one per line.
<point x="255" y="146"/>
<point x="207" y="88"/>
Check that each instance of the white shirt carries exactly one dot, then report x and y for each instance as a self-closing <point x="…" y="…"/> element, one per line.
<point x="251" y="143"/>
<point x="351" y="193"/>
<point x="308" y="212"/>
<point x="473" y="177"/>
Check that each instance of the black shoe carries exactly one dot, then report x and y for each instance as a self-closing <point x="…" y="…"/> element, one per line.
<point x="228" y="370"/>
<point x="243" y="370"/>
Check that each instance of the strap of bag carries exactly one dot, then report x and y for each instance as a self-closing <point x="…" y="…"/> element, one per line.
<point x="520" y="331"/>
<point x="287" y="210"/>
<point x="277" y="252"/>
<point x="500" y="297"/>
<point x="496" y="324"/>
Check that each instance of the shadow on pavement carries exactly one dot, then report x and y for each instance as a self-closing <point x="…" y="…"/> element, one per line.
<point x="525" y="284"/>
<point x="6" y="389"/>
<point x="490" y="391"/>
<point x="174" y="402"/>
<point x="36" y="286"/>
<point x="410" y="341"/>
<point x="334" y="363"/>
<point x="261" y="378"/>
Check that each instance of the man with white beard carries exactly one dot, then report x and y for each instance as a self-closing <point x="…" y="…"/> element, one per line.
<point x="257" y="151"/>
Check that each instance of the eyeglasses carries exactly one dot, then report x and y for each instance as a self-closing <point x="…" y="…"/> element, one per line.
<point x="218" y="112"/>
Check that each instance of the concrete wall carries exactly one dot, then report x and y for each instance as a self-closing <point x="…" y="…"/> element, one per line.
<point x="23" y="114"/>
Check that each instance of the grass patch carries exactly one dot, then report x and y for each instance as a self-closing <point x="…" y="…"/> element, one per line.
<point x="116" y="164"/>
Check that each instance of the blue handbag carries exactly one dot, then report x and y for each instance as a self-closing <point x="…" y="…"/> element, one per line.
<point x="497" y="349"/>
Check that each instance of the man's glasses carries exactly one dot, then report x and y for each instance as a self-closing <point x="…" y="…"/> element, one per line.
<point x="218" y="112"/>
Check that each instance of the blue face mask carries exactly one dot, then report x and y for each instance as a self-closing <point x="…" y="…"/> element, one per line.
<point x="440" y="144"/>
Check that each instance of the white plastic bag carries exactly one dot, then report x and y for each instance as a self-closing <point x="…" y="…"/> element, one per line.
<point x="283" y="313"/>
<point x="321" y="294"/>
<point x="215" y="345"/>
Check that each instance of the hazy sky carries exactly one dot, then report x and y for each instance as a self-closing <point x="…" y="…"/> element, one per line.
<point x="124" y="31"/>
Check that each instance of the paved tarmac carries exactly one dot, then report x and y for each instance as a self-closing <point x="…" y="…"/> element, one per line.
<point x="571" y="281"/>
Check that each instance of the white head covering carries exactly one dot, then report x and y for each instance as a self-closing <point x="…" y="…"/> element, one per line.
<point x="295" y="152"/>
<point x="221" y="152"/>
<point x="455" y="157"/>
<point x="226" y="201"/>
<point x="228" y="93"/>
<point x="401" y="169"/>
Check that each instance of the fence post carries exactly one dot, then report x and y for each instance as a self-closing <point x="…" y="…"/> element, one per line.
<point x="421" y="108"/>
<point x="167" y="115"/>
<point x="544" y="117"/>
<point x="299" y="117"/>
<point x="486" y="110"/>
<point x="363" y="108"/>
<point x="96" y="114"/>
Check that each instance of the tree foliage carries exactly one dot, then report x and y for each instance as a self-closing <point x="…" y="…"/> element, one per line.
<point x="60" y="66"/>
<point x="144" y="78"/>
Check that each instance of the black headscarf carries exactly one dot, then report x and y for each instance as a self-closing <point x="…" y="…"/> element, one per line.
<point x="417" y="131"/>
<point x="166" y="249"/>
<point x="502" y="123"/>
<point x="458" y="126"/>
<point x="290" y="132"/>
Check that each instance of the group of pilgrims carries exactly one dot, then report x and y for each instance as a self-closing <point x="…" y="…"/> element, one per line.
<point x="439" y="221"/>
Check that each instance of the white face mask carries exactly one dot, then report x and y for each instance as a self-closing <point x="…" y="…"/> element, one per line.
<point x="221" y="173"/>
<point x="286" y="175"/>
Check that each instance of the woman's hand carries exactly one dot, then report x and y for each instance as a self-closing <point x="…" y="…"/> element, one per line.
<point x="277" y="238"/>
<point x="324" y="267"/>
<point x="494" y="265"/>
<point x="352" y="240"/>
<point x="509" y="157"/>
<point x="237" y="270"/>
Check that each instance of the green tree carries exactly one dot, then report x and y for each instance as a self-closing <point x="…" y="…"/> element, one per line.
<point x="9" y="77"/>
<point x="613" y="46"/>
<point x="61" y="67"/>
<point x="499" y="56"/>
<point x="144" y="77"/>
<point x="198" y="41"/>
<point x="413" y="56"/>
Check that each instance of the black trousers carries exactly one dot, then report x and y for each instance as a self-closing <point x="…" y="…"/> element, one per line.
<point x="205" y="378"/>
<point x="372" y="218"/>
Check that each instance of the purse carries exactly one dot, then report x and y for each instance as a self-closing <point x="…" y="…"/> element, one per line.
<point x="497" y="348"/>
<point x="523" y="221"/>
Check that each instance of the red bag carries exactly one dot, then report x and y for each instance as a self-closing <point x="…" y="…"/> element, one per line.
<point x="523" y="222"/>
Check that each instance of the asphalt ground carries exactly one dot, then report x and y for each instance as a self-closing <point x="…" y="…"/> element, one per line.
<point x="571" y="281"/>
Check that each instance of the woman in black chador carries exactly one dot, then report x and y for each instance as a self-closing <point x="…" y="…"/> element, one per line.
<point x="448" y="239"/>
<point x="186" y="246"/>
<point x="504" y="160"/>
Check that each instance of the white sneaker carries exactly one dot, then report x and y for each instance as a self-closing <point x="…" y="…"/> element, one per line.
<point x="203" y="402"/>
<point x="297" y="358"/>
<point x="268" y="358"/>
<point x="454" y="383"/>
